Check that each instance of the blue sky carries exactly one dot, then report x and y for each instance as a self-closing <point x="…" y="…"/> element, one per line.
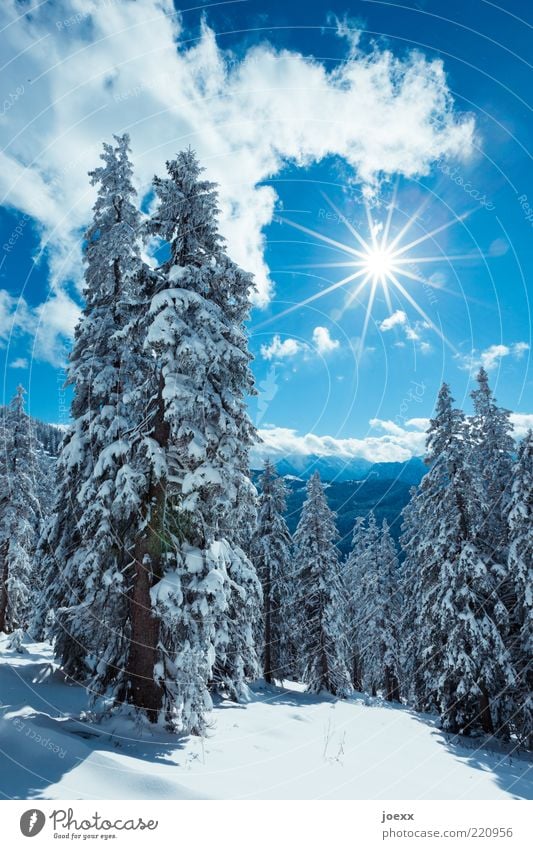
<point x="312" y="117"/>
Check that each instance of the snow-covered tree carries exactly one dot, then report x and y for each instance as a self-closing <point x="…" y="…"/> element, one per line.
<point x="154" y="597"/>
<point x="411" y="579"/>
<point x="87" y="547"/>
<point x="352" y="581"/>
<point x="383" y="633"/>
<point x="462" y="659"/>
<point x="475" y="667"/>
<point x="20" y="514"/>
<point x="520" y="565"/>
<point x="272" y="557"/>
<point x="197" y="464"/>
<point x="491" y="463"/>
<point x="320" y="627"/>
<point x="237" y="659"/>
<point x="373" y="606"/>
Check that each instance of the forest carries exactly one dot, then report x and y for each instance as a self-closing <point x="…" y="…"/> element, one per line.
<point x="137" y="544"/>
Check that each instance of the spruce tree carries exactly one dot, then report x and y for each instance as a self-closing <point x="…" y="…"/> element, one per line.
<point x="464" y="662"/>
<point x="352" y="574"/>
<point x="369" y="565"/>
<point x="196" y="590"/>
<point x="87" y="547"/>
<point x="155" y="598"/>
<point x="321" y="626"/>
<point x="520" y="565"/>
<point x="376" y="608"/>
<point x="491" y="460"/>
<point x="387" y="622"/>
<point x="411" y="578"/>
<point x="272" y="557"/>
<point x="20" y="515"/>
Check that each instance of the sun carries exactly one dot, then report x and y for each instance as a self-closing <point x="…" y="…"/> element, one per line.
<point x="378" y="262"/>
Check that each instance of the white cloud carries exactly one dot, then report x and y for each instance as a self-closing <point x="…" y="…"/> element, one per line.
<point x="387" y="441"/>
<point x="398" y="317"/>
<point x="57" y="318"/>
<point x="413" y="333"/>
<point x="20" y="362"/>
<point x="499" y="247"/>
<point x="393" y="444"/>
<point x="278" y="350"/>
<point x="15" y="316"/>
<point x="122" y="68"/>
<point x="522" y="423"/>
<point x="519" y="348"/>
<point x="323" y="342"/>
<point x="348" y="28"/>
<point x="51" y="324"/>
<point x="492" y="356"/>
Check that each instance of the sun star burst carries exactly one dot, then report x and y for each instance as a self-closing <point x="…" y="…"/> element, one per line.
<point x="376" y="262"/>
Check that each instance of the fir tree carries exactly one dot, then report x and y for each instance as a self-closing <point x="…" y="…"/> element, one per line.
<point x="520" y="565"/>
<point x="411" y="579"/>
<point x="197" y="465"/>
<point x="491" y="464"/>
<point x="386" y="622"/>
<point x="87" y="546"/>
<point x="272" y="557"/>
<point x="464" y="663"/>
<point x="236" y="661"/>
<point x="320" y="629"/>
<point x="155" y="597"/>
<point x="20" y="514"/>
<point x="376" y="609"/>
<point x="352" y="575"/>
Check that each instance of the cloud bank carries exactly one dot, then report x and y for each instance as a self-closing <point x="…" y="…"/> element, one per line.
<point x="386" y="442"/>
<point x="390" y="443"/>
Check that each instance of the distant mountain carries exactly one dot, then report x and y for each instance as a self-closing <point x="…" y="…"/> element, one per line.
<point x="351" y="499"/>
<point x="339" y="469"/>
<point x="384" y="488"/>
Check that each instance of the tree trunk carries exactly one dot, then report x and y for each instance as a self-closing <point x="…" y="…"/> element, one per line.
<point x="392" y="688"/>
<point x="484" y="712"/>
<point x="356" y="673"/>
<point x="143" y="691"/>
<point x="388" y="685"/>
<point x="268" y="630"/>
<point x="396" y="690"/>
<point x="3" y="585"/>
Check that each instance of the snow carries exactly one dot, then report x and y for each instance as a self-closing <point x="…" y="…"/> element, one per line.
<point x="167" y="589"/>
<point x="177" y="273"/>
<point x="283" y="744"/>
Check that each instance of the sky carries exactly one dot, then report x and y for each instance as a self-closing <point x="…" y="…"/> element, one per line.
<point x="374" y="174"/>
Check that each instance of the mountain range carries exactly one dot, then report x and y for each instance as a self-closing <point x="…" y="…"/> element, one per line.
<point x="353" y="489"/>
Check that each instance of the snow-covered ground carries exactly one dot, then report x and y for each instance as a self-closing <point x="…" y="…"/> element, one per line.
<point x="284" y="744"/>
